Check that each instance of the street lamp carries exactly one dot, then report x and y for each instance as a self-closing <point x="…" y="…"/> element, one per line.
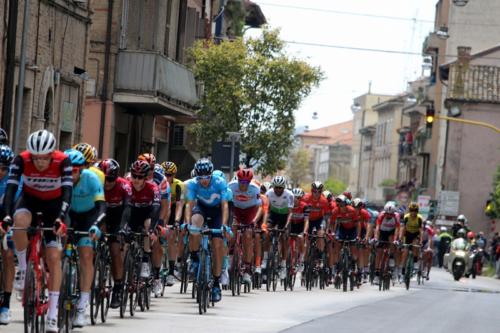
<point x="442" y="33"/>
<point x="355" y="107"/>
<point x="460" y="3"/>
<point x="315" y="115"/>
<point x="233" y="137"/>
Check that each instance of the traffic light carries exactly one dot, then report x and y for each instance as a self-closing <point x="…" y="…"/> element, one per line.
<point x="429" y="117"/>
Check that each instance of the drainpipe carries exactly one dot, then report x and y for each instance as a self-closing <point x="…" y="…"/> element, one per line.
<point x="105" y="81"/>
<point x="22" y="71"/>
<point x="8" y="92"/>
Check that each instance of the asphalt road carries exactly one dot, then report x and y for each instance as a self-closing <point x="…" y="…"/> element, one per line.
<point x="441" y="305"/>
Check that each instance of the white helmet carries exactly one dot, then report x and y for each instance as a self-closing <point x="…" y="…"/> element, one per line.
<point x="41" y="142"/>
<point x="390" y="207"/>
<point x="461" y="218"/>
<point x="279" y="181"/>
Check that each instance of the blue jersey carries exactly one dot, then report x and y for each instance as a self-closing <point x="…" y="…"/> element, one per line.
<point x="3" y="188"/>
<point x="373" y="214"/>
<point x="86" y="192"/>
<point x="211" y="196"/>
<point x="245" y="199"/>
<point x="161" y="181"/>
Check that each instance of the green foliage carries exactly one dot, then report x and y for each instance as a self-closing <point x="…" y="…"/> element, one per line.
<point x="253" y="87"/>
<point x="388" y="183"/>
<point x="335" y="186"/>
<point x="235" y="13"/>
<point x="298" y="168"/>
<point x="494" y="209"/>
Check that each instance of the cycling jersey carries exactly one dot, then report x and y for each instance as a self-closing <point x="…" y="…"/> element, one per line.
<point x="98" y="172"/>
<point x="3" y="189"/>
<point x="300" y="213"/>
<point x="177" y="190"/>
<point x="345" y="218"/>
<point x="373" y="214"/>
<point x="280" y="204"/>
<point x="388" y="222"/>
<point x="116" y="196"/>
<point x="318" y="208"/>
<point x="363" y="217"/>
<point x="212" y="195"/>
<point x="147" y="197"/>
<point x="163" y="185"/>
<point x="245" y="199"/>
<point x="86" y="192"/>
<point x="412" y="224"/>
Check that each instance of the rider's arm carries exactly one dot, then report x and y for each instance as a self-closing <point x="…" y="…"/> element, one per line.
<point x="66" y="187"/>
<point x="179" y="202"/>
<point x="165" y="209"/>
<point x="225" y="212"/>
<point x="16" y="170"/>
<point x="398" y="227"/>
<point x="101" y="212"/>
<point x="155" y="208"/>
<point x="378" y="222"/>
<point x="189" y="208"/>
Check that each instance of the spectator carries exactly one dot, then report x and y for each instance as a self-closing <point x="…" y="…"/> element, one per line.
<point x="444" y="244"/>
<point x="495" y="241"/>
<point x="498" y="261"/>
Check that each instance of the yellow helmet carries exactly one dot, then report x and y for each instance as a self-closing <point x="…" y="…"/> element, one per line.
<point x="413" y="206"/>
<point x="169" y="167"/>
<point x="87" y="150"/>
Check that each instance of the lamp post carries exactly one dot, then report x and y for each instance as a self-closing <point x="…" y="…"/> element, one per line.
<point x="233" y="137"/>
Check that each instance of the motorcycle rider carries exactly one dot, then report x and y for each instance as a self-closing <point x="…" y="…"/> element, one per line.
<point x="460" y="224"/>
<point x="444" y="241"/>
<point x="459" y="243"/>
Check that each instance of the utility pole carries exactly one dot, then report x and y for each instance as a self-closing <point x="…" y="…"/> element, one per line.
<point x="234" y="137"/>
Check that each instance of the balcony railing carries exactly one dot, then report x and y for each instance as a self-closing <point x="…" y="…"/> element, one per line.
<point x="474" y="83"/>
<point x="152" y="74"/>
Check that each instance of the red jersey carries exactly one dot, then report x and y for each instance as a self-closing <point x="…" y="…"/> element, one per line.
<point x="43" y="185"/>
<point x="120" y="192"/>
<point x="346" y="219"/>
<point x="363" y="217"/>
<point x="300" y="212"/>
<point x="317" y="208"/>
<point x="148" y="196"/>
<point x="388" y="222"/>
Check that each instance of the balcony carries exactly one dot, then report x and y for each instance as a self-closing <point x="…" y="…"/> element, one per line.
<point x="474" y="83"/>
<point x="150" y="82"/>
<point x="431" y="44"/>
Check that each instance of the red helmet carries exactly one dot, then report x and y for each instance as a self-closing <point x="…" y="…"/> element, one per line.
<point x="140" y="168"/>
<point x="348" y="195"/>
<point x="244" y="175"/>
<point x="471" y="235"/>
<point x="148" y="157"/>
<point x="109" y="167"/>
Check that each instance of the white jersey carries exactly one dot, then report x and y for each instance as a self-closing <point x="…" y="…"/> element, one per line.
<point x="280" y="204"/>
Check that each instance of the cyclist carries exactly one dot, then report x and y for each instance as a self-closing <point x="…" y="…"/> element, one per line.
<point x="177" y="194"/>
<point x="144" y="211"/>
<point x="47" y="188"/>
<point x="370" y="230"/>
<point x="247" y="211"/>
<point x="345" y="227"/>
<point x="299" y="224"/>
<point x="7" y="253"/>
<point x="427" y="246"/>
<point x="363" y="218"/>
<point x="117" y="192"/>
<point x="279" y="216"/>
<point x="386" y="230"/>
<point x="88" y="209"/>
<point x="156" y="176"/>
<point x="264" y="187"/>
<point x="330" y="198"/>
<point x="90" y="154"/>
<point x="207" y="197"/>
<point x="412" y="228"/>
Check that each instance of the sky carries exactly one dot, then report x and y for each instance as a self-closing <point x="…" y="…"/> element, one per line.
<point x="348" y="72"/>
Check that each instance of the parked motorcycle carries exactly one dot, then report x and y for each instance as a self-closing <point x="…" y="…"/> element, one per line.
<point x="456" y="262"/>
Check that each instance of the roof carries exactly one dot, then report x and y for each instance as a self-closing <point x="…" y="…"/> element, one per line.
<point x="474" y="55"/>
<point x="340" y="133"/>
<point x="396" y="100"/>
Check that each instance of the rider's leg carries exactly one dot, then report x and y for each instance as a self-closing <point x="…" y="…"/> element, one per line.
<point x="22" y="219"/>
<point x="53" y="257"/>
<point x="8" y="276"/>
<point x="248" y="247"/>
<point x="86" y="257"/>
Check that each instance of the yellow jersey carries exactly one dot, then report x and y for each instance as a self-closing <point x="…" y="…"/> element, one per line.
<point x="98" y="173"/>
<point x="413" y="225"/>
<point x="176" y="190"/>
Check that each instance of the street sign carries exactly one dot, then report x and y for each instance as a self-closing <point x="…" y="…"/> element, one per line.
<point x="221" y="156"/>
<point x="424" y="204"/>
<point x="449" y="202"/>
<point x="445" y="223"/>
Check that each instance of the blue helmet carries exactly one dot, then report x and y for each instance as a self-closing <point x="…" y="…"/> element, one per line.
<point x="203" y="167"/>
<point x="218" y="173"/>
<point x="76" y="157"/>
<point x="159" y="169"/>
<point x="6" y="155"/>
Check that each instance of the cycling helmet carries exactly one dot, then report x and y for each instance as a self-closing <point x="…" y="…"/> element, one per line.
<point x="41" y="142"/>
<point x="328" y="195"/>
<point x="169" y="167"/>
<point x="443" y="229"/>
<point x="140" y="168"/>
<point x="390" y="207"/>
<point x="203" y="167"/>
<point x="76" y="157"/>
<point x="357" y="203"/>
<point x="4" y="139"/>
<point x="193" y="173"/>
<point x="471" y="235"/>
<point x="298" y="192"/>
<point x="341" y="199"/>
<point x="159" y="169"/>
<point x="109" y="167"/>
<point x="87" y="150"/>
<point x="348" y="195"/>
<point x="218" y="173"/>
<point x="6" y="155"/>
<point x="265" y="186"/>
<point x="244" y="175"/>
<point x="279" y="181"/>
<point x="413" y="206"/>
<point x="148" y="157"/>
<point x="428" y="223"/>
<point x="461" y="218"/>
<point x="317" y="186"/>
<point x="461" y="233"/>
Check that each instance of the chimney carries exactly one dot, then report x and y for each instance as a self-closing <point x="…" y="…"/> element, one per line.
<point x="464" y="55"/>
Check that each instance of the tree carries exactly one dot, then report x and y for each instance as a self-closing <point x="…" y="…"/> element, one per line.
<point x="251" y="86"/>
<point x="493" y="206"/>
<point x="335" y="186"/>
<point x="298" y="168"/>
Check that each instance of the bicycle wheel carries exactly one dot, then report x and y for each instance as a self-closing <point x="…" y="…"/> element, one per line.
<point x="95" y="290"/>
<point x="134" y="273"/>
<point x="65" y="298"/>
<point x="29" y="300"/>
<point x="43" y="301"/>
<point x="201" y="283"/>
<point x="184" y="270"/>
<point x="234" y="273"/>
<point x="269" y="271"/>
<point x="107" y="287"/>
<point x="126" y="285"/>
<point x="345" y="270"/>
<point x="372" y="266"/>
<point x="408" y="270"/>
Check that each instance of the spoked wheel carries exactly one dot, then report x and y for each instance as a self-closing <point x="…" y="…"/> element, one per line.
<point x="69" y="286"/>
<point x="29" y="300"/>
<point x="106" y="291"/>
<point x="95" y="290"/>
<point x="147" y="295"/>
<point x="202" y="286"/>
<point x="269" y="271"/>
<point x="184" y="271"/>
<point x="134" y="287"/>
<point x="235" y="274"/>
<point x="126" y="286"/>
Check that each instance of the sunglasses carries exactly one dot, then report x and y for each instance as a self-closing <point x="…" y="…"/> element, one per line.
<point x="244" y="182"/>
<point x="111" y="179"/>
<point x="138" y="176"/>
<point x="169" y="175"/>
<point x="204" y="177"/>
<point x="279" y="188"/>
<point x="76" y="169"/>
<point x="316" y="191"/>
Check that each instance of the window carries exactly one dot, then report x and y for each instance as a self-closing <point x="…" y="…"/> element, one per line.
<point x="178" y="139"/>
